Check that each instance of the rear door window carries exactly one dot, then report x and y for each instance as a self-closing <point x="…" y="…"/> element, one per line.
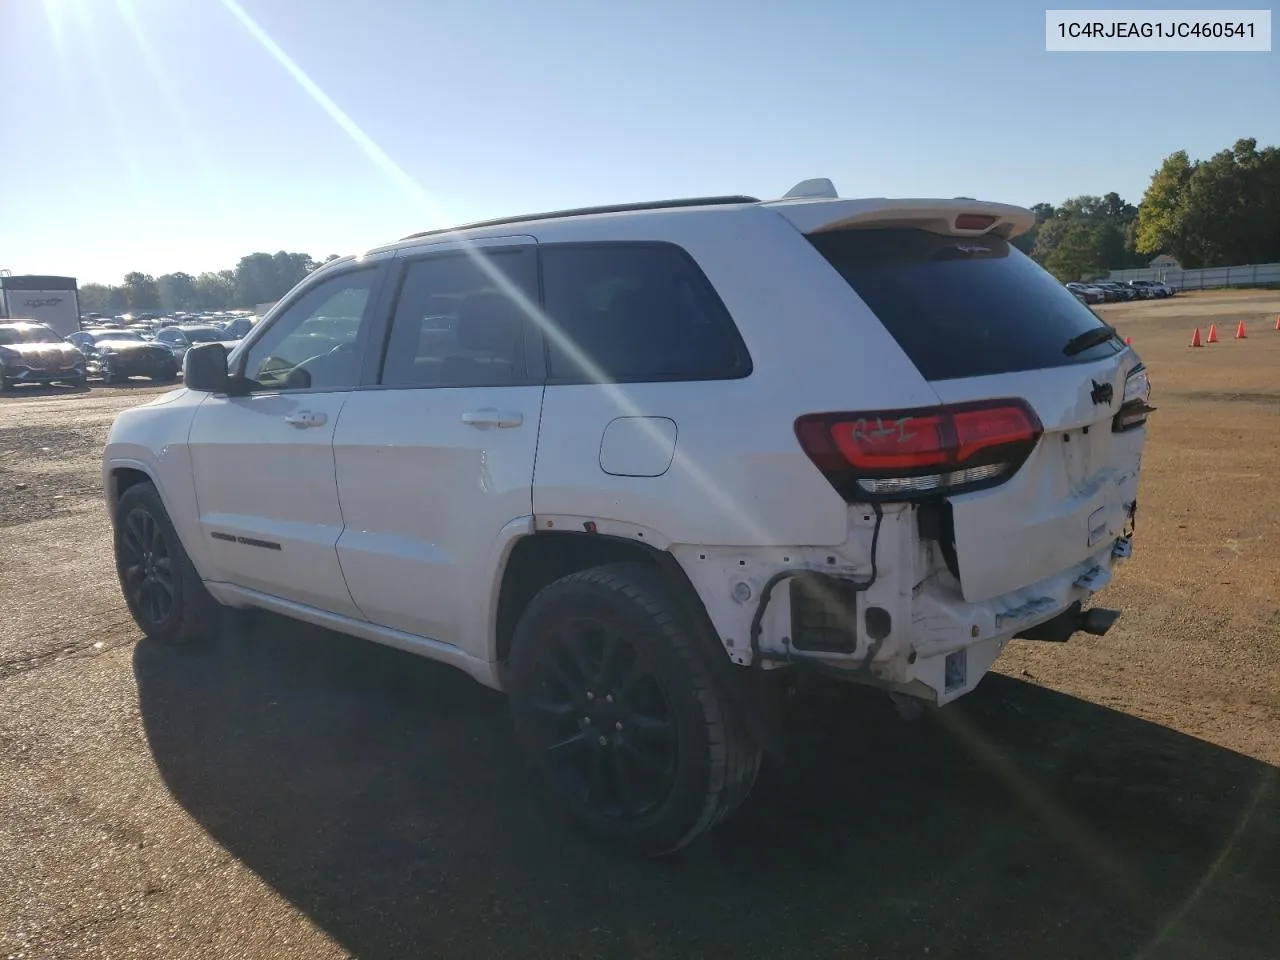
<point x="635" y="312"/>
<point x="462" y="319"/>
<point x="963" y="306"/>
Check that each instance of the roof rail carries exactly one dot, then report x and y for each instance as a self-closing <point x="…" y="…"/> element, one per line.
<point x="588" y="211"/>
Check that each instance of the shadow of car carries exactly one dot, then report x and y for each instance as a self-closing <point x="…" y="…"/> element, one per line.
<point x="383" y="796"/>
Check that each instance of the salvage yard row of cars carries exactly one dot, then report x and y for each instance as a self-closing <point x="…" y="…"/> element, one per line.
<point x="109" y="350"/>
<point x="1113" y="291"/>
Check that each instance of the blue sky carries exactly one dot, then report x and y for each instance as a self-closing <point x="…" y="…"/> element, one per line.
<point x="162" y="135"/>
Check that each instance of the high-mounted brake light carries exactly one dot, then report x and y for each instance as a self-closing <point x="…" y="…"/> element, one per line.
<point x="920" y="452"/>
<point x="974" y="221"/>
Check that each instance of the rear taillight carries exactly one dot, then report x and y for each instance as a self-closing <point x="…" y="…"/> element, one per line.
<point x="920" y="452"/>
<point x="1134" y="407"/>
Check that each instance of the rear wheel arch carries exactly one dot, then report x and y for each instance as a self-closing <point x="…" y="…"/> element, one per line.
<point x="539" y="559"/>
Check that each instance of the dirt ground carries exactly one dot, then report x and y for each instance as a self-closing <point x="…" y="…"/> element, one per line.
<point x="294" y="794"/>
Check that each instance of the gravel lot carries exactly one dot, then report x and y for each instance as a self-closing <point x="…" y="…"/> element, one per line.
<point x="291" y="793"/>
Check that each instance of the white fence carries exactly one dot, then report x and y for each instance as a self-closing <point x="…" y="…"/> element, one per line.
<point x="1249" y="275"/>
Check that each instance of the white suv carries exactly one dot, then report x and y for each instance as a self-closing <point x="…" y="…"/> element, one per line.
<point x="641" y="466"/>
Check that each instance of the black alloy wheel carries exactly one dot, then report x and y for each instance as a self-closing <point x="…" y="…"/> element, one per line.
<point x="146" y="567"/>
<point x="164" y="593"/>
<point x="606" y="722"/>
<point x="622" y="712"/>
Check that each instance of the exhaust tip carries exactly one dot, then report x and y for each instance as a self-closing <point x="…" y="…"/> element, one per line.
<point x="1098" y="620"/>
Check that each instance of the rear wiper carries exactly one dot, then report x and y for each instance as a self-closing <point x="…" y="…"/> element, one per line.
<point x="1090" y="338"/>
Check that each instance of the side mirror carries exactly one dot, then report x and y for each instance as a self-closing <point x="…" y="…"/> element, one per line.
<point x="204" y="368"/>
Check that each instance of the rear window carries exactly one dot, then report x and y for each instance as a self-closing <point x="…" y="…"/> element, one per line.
<point x="963" y="306"/>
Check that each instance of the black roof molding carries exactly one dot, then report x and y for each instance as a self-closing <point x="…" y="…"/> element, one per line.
<point x="588" y="211"/>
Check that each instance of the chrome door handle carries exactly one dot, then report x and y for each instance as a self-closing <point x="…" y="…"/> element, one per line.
<point x="305" y="418"/>
<point x="491" y="417"/>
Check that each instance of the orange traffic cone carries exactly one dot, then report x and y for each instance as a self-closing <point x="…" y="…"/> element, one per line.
<point x="1128" y="341"/>
<point x="1195" y="339"/>
<point x="1213" y="333"/>
<point x="1240" y="330"/>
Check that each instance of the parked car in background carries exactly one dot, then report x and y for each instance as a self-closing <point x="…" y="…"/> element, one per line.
<point x="1152" y="289"/>
<point x="1086" y="292"/>
<point x="31" y="352"/>
<point x="182" y="337"/>
<point x="117" y="355"/>
<point x="238" y="328"/>
<point x="1113" y="292"/>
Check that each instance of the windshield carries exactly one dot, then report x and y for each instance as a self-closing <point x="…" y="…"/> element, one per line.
<point x="203" y="335"/>
<point x="13" y="335"/>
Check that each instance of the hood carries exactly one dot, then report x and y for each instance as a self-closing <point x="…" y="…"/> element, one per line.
<point x="39" y="349"/>
<point x="126" y="346"/>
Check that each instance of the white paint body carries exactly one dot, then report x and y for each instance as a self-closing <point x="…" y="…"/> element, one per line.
<point x="397" y="514"/>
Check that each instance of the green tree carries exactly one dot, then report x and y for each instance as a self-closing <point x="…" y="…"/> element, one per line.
<point x="215" y="290"/>
<point x="1078" y="253"/>
<point x="141" y="291"/>
<point x="1162" y="212"/>
<point x="255" y="278"/>
<point x="290" y="269"/>
<point x="117" y="301"/>
<point x="263" y="277"/>
<point x="1215" y="212"/>
<point x="177" y="291"/>
<point x="94" y="297"/>
<point x="1026" y="242"/>
<point x="1097" y="232"/>
<point x="1232" y="203"/>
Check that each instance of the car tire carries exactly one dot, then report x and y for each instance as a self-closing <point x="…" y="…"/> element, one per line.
<point x="161" y="588"/>
<point x="616" y="708"/>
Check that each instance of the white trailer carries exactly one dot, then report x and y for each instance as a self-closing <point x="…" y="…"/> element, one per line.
<point x="50" y="300"/>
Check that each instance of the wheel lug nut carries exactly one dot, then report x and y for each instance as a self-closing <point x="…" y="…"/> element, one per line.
<point x="618" y="725"/>
<point x="587" y="721"/>
<point x="608" y="698"/>
<point x="603" y="741"/>
<point x="590" y="695"/>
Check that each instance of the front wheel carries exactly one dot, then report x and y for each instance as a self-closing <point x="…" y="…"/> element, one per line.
<point x="616" y="707"/>
<point x="161" y="587"/>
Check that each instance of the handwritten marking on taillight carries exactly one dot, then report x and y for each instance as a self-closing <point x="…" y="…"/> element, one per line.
<point x="921" y="450"/>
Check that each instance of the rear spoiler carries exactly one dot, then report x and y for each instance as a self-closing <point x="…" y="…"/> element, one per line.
<point x="959" y="218"/>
